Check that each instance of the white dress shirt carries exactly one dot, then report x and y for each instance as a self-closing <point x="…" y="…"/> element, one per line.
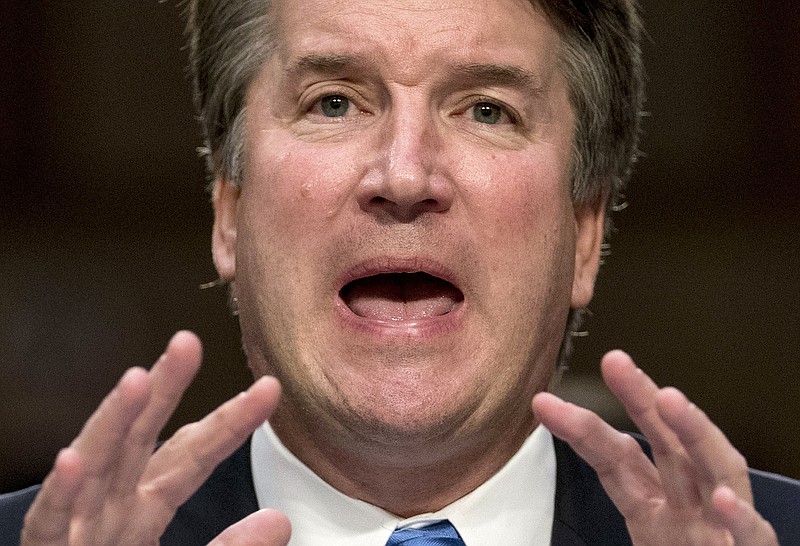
<point x="515" y="506"/>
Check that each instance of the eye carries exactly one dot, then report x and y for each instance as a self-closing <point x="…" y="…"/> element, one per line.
<point x="489" y="113"/>
<point x="334" y="106"/>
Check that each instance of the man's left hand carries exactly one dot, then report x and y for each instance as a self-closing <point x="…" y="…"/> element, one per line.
<point x="696" y="490"/>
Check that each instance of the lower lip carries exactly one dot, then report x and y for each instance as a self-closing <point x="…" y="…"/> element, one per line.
<point x="421" y="329"/>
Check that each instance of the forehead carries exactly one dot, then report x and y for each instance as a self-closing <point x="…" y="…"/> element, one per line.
<point x="416" y="36"/>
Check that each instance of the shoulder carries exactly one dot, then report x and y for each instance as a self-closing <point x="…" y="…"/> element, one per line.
<point x="583" y="513"/>
<point x="777" y="499"/>
<point x="584" y="510"/>
<point x="226" y="497"/>
<point x="12" y="513"/>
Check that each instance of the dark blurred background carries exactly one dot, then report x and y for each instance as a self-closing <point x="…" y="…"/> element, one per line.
<point x="105" y="223"/>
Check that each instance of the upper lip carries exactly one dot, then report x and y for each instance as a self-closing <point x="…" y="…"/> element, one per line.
<point x="393" y="264"/>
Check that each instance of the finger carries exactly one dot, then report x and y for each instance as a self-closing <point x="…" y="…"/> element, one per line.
<point x="170" y="377"/>
<point x="103" y="435"/>
<point x="263" y="528"/>
<point x="715" y="459"/>
<point x="110" y="423"/>
<point x="741" y="519"/>
<point x="627" y="475"/>
<point x="184" y="462"/>
<point x="639" y="394"/>
<point x="48" y="519"/>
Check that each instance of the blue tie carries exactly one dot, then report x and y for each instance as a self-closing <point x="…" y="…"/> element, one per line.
<point x="439" y="534"/>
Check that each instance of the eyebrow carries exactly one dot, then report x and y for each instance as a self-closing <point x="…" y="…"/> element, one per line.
<point x="325" y="64"/>
<point x="500" y="75"/>
<point x="475" y="73"/>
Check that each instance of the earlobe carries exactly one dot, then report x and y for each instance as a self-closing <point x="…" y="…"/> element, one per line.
<point x="223" y="238"/>
<point x="589" y="228"/>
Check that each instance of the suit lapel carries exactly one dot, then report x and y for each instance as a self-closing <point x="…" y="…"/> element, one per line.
<point x="225" y="498"/>
<point x="583" y="512"/>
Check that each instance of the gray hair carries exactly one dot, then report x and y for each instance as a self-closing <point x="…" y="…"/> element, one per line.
<point x="600" y="57"/>
<point x="228" y="43"/>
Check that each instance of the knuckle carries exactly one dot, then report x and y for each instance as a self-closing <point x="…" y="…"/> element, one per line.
<point x="185" y="432"/>
<point x="771" y="537"/>
<point x="739" y="463"/>
<point x="139" y="440"/>
<point x="629" y="447"/>
<point x="735" y="471"/>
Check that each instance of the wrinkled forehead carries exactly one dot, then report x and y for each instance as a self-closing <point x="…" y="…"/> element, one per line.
<point x="508" y="32"/>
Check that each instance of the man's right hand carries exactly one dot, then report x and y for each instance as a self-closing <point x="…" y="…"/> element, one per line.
<point x="110" y="487"/>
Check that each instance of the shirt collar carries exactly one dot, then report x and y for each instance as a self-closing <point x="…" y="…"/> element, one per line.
<point x="515" y="506"/>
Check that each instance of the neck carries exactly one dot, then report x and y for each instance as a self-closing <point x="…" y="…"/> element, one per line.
<point x="405" y="478"/>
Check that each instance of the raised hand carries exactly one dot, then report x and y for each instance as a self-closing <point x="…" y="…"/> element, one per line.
<point x="695" y="491"/>
<point x="109" y="487"/>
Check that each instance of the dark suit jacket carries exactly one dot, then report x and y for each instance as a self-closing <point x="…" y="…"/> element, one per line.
<point x="584" y="515"/>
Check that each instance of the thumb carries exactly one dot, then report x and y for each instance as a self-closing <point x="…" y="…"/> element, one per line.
<point x="266" y="527"/>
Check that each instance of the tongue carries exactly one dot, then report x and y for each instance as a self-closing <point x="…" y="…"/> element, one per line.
<point x="401" y="296"/>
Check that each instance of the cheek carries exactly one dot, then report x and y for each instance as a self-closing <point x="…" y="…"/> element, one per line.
<point x="518" y="199"/>
<point x="524" y="224"/>
<point x="293" y="190"/>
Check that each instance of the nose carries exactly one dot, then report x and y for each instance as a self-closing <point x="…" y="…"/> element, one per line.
<point x="409" y="177"/>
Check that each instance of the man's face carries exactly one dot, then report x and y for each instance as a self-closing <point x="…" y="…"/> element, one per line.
<point x="404" y="246"/>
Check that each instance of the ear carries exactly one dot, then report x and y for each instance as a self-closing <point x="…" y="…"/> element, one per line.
<point x="223" y="238"/>
<point x="590" y="221"/>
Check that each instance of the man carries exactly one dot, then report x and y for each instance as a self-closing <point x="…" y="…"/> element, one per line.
<point x="410" y="198"/>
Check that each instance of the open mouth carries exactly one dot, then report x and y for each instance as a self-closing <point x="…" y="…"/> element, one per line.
<point x="401" y="296"/>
